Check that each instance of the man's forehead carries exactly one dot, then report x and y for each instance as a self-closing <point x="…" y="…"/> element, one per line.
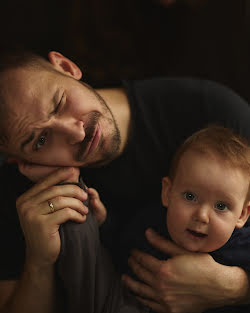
<point x="27" y="101"/>
<point x="25" y="82"/>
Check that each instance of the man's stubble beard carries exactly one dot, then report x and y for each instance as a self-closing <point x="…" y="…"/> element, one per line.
<point x="106" y="156"/>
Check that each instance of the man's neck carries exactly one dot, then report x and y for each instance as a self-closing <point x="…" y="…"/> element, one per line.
<point x="116" y="99"/>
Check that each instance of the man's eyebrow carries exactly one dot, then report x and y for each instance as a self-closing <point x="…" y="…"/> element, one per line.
<point x="27" y="140"/>
<point x="32" y="135"/>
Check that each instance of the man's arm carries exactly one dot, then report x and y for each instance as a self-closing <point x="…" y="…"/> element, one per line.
<point x="36" y="290"/>
<point x="185" y="282"/>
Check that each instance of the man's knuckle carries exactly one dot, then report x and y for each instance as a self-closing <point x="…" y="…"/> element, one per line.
<point x="19" y="201"/>
<point x="163" y="270"/>
<point x="69" y="212"/>
<point x="29" y="217"/>
<point x="53" y="189"/>
<point x="139" y="289"/>
<point x="23" y="207"/>
<point x="78" y="190"/>
<point x="59" y="200"/>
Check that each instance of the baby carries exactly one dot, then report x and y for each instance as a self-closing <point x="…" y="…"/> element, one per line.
<point x="207" y="193"/>
<point x="207" y="196"/>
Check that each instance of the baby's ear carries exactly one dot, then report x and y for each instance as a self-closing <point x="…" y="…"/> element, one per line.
<point x="165" y="191"/>
<point x="244" y="216"/>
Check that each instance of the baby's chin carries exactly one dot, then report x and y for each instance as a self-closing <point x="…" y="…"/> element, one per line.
<point x="204" y="249"/>
<point x="197" y="247"/>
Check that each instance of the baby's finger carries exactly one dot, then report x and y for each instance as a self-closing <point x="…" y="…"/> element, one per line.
<point x="93" y="194"/>
<point x="97" y="206"/>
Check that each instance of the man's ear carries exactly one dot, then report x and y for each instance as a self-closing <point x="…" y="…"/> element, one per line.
<point x="244" y="216"/>
<point x="165" y="191"/>
<point x="64" y="65"/>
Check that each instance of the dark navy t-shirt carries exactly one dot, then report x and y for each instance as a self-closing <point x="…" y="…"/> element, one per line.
<point x="164" y="113"/>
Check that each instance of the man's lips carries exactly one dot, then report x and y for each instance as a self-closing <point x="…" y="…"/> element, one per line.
<point x="94" y="141"/>
<point x="196" y="234"/>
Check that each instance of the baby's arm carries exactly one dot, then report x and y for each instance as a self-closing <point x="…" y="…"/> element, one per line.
<point x="96" y="206"/>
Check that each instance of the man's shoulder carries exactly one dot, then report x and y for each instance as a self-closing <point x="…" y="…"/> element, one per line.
<point x="183" y="86"/>
<point x="187" y="104"/>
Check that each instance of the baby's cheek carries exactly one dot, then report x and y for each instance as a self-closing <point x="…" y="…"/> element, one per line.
<point x="219" y="234"/>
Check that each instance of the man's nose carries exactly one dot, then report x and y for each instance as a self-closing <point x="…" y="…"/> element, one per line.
<point x="72" y="130"/>
<point x="202" y="214"/>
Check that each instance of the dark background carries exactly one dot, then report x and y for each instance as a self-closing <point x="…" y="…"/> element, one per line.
<point x="112" y="39"/>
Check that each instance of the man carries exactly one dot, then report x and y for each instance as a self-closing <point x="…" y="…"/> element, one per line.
<point x="50" y="118"/>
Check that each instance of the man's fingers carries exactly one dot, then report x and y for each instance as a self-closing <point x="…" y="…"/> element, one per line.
<point x="141" y="272"/>
<point x="138" y="288"/>
<point x="61" y="216"/>
<point x="59" y="192"/>
<point x="156" y="307"/>
<point x="53" y="179"/>
<point x="60" y="203"/>
<point x="146" y="260"/>
<point x="162" y="244"/>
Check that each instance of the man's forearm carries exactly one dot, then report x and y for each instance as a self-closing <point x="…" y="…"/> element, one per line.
<point x="238" y="286"/>
<point x="35" y="292"/>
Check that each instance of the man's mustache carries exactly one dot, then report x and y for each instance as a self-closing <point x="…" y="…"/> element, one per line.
<point x="89" y="133"/>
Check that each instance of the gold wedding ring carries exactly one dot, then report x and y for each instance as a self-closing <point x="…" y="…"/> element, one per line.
<point x="51" y="206"/>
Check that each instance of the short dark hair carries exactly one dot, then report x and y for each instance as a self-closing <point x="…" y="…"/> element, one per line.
<point x="18" y="57"/>
<point x="14" y="58"/>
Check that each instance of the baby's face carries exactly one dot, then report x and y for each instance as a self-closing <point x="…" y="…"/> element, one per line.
<point x="205" y="202"/>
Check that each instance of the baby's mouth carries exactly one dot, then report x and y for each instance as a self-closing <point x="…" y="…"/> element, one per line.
<point x="196" y="233"/>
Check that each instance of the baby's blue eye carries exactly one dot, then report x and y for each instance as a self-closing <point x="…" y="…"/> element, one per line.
<point x="189" y="196"/>
<point x="221" y="206"/>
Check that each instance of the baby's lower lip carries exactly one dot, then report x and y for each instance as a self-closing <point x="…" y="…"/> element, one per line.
<point x="196" y="234"/>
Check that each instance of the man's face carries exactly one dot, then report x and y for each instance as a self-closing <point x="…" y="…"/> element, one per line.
<point x="56" y="120"/>
<point x="204" y="202"/>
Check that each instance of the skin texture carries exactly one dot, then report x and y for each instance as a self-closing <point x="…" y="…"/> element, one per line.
<point x="201" y="286"/>
<point x="205" y="202"/>
<point x="70" y="122"/>
<point x="196" y="200"/>
<point x="183" y="282"/>
<point x="35" y="291"/>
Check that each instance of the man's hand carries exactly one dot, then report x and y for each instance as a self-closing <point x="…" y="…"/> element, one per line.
<point x="40" y="223"/>
<point x="186" y="282"/>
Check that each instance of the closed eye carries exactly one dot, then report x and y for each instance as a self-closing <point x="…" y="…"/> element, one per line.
<point x="57" y="108"/>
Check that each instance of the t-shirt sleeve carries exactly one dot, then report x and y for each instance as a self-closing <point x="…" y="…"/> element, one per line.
<point x="236" y="252"/>
<point x="226" y="107"/>
<point x="180" y="106"/>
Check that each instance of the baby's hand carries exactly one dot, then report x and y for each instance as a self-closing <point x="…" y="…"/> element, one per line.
<point x="97" y="206"/>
